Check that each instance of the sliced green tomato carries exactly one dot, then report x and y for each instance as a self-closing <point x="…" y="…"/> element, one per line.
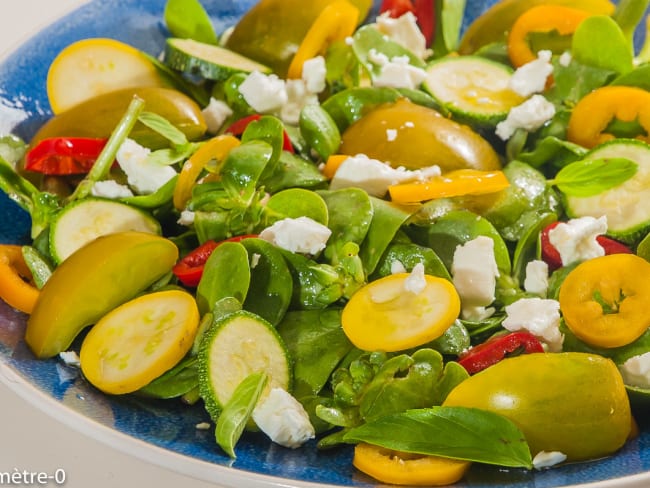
<point x="238" y="345"/>
<point x="211" y="62"/>
<point x="626" y="205"/>
<point x="85" y="220"/>
<point x="473" y="88"/>
<point x="386" y="315"/>
<point x="139" y="341"/>
<point x="92" y="67"/>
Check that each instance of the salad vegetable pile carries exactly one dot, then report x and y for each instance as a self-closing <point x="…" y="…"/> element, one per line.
<point x="342" y="225"/>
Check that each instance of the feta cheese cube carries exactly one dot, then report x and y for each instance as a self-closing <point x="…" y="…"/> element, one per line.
<point x="536" y="280"/>
<point x="186" y="218"/>
<point x="397" y="267"/>
<point x="264" y="93"/>
<point x="575" y="240"/>
<point x="565" y="59"/>
<point x="416" y="282"/>
<point x="297" y="97"/>
<point x="215" y="114"/>
<point x="313" y="74"/>
<point x="375" y="176"/>
<point x="474" y="273"/>
<point x="110" y="189"/>
<point x="299" y="235"/>
<point x="405" y="31"/>
<point x="544" y="459"/>
<point x="636" y="371"/>
<point x="143" y="175"/>
<point x="530" y="116"/>
<point x="70" y="358"/>
<point x="540" y="317"/>
<point x="531" y="77"/>
<point x="399" y="73"/>
<point x="283" y="418"/>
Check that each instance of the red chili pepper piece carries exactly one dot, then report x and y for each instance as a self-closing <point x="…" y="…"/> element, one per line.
<point x="238" y="127"/>
<point x="496" y="348"/>
<point x="64" y="155"/>
<point x="190" y="268"/>
<point x="552" y="257"/>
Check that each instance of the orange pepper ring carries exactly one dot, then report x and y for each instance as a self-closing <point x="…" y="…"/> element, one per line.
<point x="13" y="288"/>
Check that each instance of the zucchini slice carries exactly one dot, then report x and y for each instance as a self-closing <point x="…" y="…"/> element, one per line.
<point x="236" y="346"/>
<point x="626" y="206"/>
<point x="474" y="89"/>
<point x="206" y="60"/>
<point x="83" y="221"/>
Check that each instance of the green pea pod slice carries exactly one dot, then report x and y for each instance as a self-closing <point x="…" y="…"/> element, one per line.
<point x="238" y="411"/>
<point x="271" y="286"/>
<point x="226" y="274"/>
<point x="319" y="130"/>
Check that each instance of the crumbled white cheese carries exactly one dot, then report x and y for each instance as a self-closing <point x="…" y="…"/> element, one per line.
<point x="215" y="114"/>
<point x="531" y="77"/>
<point x="540" y="317"/>
<point x="299" y="235"/>
<point x="530" y="116"/>
<point x="297" y="97"/>
<point x="536" y="280"/>
<point x="143" y="175"/>
<point x="544" y="459"/>
<point x="264" y="93"/>
<point x="565" y="59"/>
<point x="375" y="176"/>
<point x="575" y="240"/>
<point x="416" y="282"/>
<point x="202" y="426"/>
<point x="474" y="271"/>
<point x="405" y="31"/>
<point x="397" y="267"/>
<point x="186" y="218"/>
<point x="255" y="260"/>
<point x="283" y="418"/>
<point x="391" y="135"/>
<point x="396" y="72"/>
<point x="314" y="71"/>
<point x="70" y="358"/>
<point x="110" y="189"/>
<point x="636" y="371"/>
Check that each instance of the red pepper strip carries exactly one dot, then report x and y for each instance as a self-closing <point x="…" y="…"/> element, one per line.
<point x="424" y="11"/>
<point x="238" y="127"/>
<point x="552" y="257"/>
<point x="190" y="268"/>
<point x="64" y="155"/>
<point x="496" y="348"/>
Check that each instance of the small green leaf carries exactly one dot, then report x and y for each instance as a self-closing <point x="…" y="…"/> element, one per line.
<point x="628" y="14"/>
<point x="238" y="411"/>
<point x="590" y="177"/>
<point x="188" y="19"/>
<point x="454" y="432"/>
<point x="163" y="127"/>
<point x="600" y="42"/>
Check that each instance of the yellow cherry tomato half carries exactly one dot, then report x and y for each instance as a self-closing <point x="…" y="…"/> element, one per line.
<point x="604" y="300"/>
<point x="400" y="468"/>
<point x="140" y="340"/>
<point x="390" y="314"/>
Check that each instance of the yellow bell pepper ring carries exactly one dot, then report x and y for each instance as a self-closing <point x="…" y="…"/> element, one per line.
<point x="400" y="468"/>
<point x="593" y="113"/>
<point x="452" y="184"/>
<point x="399" y="312"/>
<point x="542" y="18"/>
<point x="604" y="300"/>
<point x="337" y="21"/>
<point x="215" y="149"/>
<point x="15" y="288"/>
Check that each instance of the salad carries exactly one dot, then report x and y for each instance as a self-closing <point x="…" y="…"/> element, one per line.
<point x="367" y="229"/>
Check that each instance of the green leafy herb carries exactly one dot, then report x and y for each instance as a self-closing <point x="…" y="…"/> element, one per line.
<point x="593" y="176"/>
<point x="628" y="14"/>
<point x="448" y="25"/>
<point x="600" y="42"/>
<point x="456" y="432"/>
<point x="163" y="127"/>
<point x="189" y="20"/>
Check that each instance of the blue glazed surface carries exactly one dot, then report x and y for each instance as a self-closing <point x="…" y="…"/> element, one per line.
<point x="169" y="425"/>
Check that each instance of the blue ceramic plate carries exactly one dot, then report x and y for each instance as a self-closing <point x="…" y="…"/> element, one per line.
<point x="165" y="433"/>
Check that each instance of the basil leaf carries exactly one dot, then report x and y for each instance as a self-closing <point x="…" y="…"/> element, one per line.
<point x="599" y="41"/>
<point x="590" y="177"/>
<point x="454" y="432"/>
<point x="238" y="410"/>
<point x="188" y="19"/>
<point x="163" y="127"/>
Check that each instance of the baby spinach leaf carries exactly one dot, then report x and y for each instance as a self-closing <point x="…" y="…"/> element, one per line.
<point x="293" y="203"/>
<point x="599" y="42"/>
<point x="237" y="412"/>
<point x="243" y="167"/>
<point x="457" y="432"/>
<point x="449" y="22"/>
<point x="292" y="171"/>
<point x="319" y="130"/>
<point x="410" y="254"/>
<point x="268" y="129"/>
<point x="174" y="383"/>
<point x="348" y="106"/>
<point x="552" y="151"/>
<point x="593" y="176"/>
<point x="315" y="285"/>
<point x="527" y="247"/>
<point x="643" y="249"/>
<point x="628" y="15"/>
<point x="453" y="341"/>
<point x="188" y="19"/>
